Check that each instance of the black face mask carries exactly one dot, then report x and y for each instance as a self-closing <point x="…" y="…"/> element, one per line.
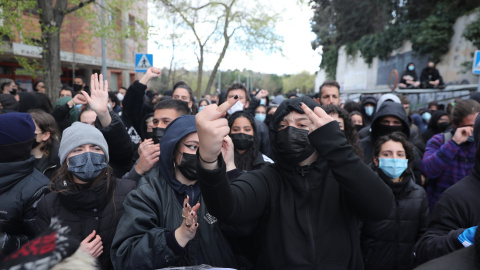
<point x="358" y="127"/>
<point x="77" y="87"/>
<point x="242" y="141"/>
<point x="188" y="166"/>
<point x="157" y="134"/>
<point x="386" y="130"/>
<point x="293" y="145"/>
<point x="443" y="126"/>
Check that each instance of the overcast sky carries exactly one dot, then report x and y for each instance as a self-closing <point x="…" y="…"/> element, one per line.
<point x="294" y="27"/>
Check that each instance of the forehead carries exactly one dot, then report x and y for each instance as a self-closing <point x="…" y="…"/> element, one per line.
<point x="390" y="118"/>
<point x="192" y="137"/>
<point x="238" y="92"/>
<point x="242" y="122"/>
<point x="294" y="116"/>
<point x="392" y="146"/>
<point x="330" y="90"/>
<point x="78" y="80"/>
<point x="165" y="113"/>
<point x="181" y="91"/>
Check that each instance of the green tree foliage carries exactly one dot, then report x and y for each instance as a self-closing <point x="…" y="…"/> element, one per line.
<point x="472" y="31"/>
<point x="376" y="27"/>
<point x="303" y="81"/>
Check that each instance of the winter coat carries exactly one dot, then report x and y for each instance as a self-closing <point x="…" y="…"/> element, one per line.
<point x="388" y="244"/>
<point x="367" y="120"/>
<point x="145" y="236"/>
<point x="368" y="143"/>
<point x="48" y="165"/>
<point x="465" y="259"/>
<point x="21" y="187"/>
<point x="134" y="110"/>
<point x="97" y="208"/>
<point x="307" y="216"/>
<point x="444" y="164"/>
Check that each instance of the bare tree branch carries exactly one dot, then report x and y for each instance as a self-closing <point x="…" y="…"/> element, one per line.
<point x="79" y="6"/>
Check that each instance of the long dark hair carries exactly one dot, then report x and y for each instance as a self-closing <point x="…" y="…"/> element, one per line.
<point x="245" y="161"/>
<point x="348" y="128"/>
<point x="46" y="123"/>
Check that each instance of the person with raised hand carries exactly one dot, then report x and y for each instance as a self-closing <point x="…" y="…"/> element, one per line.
<point x="309" y="202"/>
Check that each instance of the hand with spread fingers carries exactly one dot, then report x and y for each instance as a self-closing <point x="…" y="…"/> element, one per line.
<point x="318" y="117"/>
<point x="188" y="229"/>
<point x="98" y="98"/>
<point x="92" y="244"/>
<point x="212" y="129"/>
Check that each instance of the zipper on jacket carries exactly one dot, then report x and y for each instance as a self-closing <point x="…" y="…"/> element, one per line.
<point x="309" y="224"/>
<point x="46" y="169"/>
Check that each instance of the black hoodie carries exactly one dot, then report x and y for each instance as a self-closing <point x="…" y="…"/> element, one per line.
<point x="433" y="127"/>
<point x="307" y="216"/>
<point x="367" y="120"/>
<point x="455" y="211"/>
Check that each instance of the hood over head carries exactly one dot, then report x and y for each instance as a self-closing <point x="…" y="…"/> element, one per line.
<point x="285" y="108"/>
<point x="389" y="108"/>
<point x="174" y="133"/>
<point x="387" y="97"/>
<point x="369" y="99"/>
<point x="435" y="117"/>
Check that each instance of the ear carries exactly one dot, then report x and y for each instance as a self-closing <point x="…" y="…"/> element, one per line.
<point x="246" y="104"/>
<point x="46" y="136"/>
<point x="375" y="161"/>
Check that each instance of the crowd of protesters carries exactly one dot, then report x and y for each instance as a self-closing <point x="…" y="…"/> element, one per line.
<point x="243" y="180"/>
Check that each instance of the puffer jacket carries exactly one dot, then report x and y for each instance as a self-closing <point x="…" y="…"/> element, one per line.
<point x="145" y="235"/>
<point x="307" y="216"/>
<point x="96" y="208"/>
<point x="388" y="244"/>
<point x="21" y="187"/>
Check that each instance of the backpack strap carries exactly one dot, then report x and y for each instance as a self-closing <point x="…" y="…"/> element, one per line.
<point x="447" y="136"/>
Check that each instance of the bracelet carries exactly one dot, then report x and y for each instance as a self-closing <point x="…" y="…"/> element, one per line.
<point x="207" y="161"/>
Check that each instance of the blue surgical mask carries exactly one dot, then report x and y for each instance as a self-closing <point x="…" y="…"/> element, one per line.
<point x="426" y="116"/>
<point x="78" y="106"/>
<point x="263" y="102"/>
<point x="369" y="110"/>
<point x="260" y="117"/>
<point x="411" y="68"/>
<point x="393" y="167"/>
<point x="201" y="108"/>
<point x="471" y="139"/>
<point x="87" y="166"/>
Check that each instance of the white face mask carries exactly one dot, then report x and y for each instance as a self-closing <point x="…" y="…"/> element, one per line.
<point x="237" y="107"/>
<point x="120" y="96"/>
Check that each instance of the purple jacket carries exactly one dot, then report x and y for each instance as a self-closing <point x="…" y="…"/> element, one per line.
<point x="444" y="164"/>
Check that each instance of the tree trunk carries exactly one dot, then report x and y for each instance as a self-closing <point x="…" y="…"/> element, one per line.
<point x="51" y="19"/>
<point x="217" y="65"/>
<point x="200" y="74"/>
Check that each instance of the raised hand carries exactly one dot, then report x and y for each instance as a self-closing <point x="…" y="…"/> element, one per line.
<point x="188" y="229"/>
<point x="98" y="99"/>
<point x="152" y="72"/>
<point x="149" y="155"/>
<point x="461" y="134"/>
<point x="318" y="117"/>
<point x="261" y="94"/>
<point x="93" y="247"/>
<point x="212" y="129"/>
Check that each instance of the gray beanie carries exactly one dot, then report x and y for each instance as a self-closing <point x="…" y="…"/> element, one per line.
<point x="79" y="134"/>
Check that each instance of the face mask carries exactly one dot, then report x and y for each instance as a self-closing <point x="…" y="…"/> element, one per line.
<point x="188" y="166"/>
<point x="411" y="68"/>
<point x="87" y="166"/>
<point x="77" y="87"/>
<point x="393" y="167"/>
<point x="237" y="107"/>
<point x="35" y="143"/>
<point x="293" y="145"/>
<point x="242" y="141"/>
<point x="443" y="126"/>
<point x="201" y="108"/>
<point x="109" y="107"/>
<point x="369" y="110"/>
<point x="78" y="106"/>
<point x="157" y="134"/>
<point x="385" y="130"/>
<point x="13" y="92"/>
<point x="471" y="139"/>
<point x="358" y="127"/>
<point x="260" y="117"/>
<point x="263" y="102"/>
<point x="120" y="96"/>
<point x="426" y="116"/>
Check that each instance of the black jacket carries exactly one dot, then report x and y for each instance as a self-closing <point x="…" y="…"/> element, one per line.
<point x="145" y="236"/>
<point x="21" y="187"/>
<point x="465" y="259"/>
<point x="134" y="110"/>
<point x="307" y="216"/>
<point x="367" y="120"/>
<point x="48" y="165"/>
<point x="87" y="210"/>
<point x="388" y="244"/>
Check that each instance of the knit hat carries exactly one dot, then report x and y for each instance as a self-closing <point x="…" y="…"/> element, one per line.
<point x="79" y="134"/>
<point x="9" y="103"/>
<point x="17" y="131"/>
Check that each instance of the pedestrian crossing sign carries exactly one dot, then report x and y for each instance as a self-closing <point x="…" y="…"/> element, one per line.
<point x="476" y="63"/>
<point x="143" y="62"/>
